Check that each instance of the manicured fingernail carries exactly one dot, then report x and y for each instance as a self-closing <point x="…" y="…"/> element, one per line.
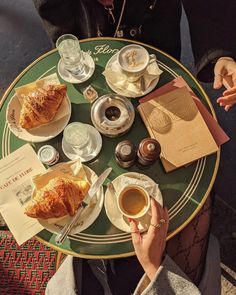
<point x="129" y="219"/>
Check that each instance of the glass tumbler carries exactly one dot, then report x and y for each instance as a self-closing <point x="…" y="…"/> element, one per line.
<point x="71" y="54"/>
<point x="77" y="136"/>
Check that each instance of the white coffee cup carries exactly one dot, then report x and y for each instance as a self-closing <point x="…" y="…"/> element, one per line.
<point x="133" y="60"/>
<point x="133" y="201"/>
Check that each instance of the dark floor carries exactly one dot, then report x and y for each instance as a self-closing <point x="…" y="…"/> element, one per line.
<point x="23" y="40"/>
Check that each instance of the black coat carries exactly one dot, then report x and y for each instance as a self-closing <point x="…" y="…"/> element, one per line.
<point x="212" y="25"/>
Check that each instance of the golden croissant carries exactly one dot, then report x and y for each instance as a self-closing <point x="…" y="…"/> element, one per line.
<point x="61" y="196"/>
<point x="40" y="106"/>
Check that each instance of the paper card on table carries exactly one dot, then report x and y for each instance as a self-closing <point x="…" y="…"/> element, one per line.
<point x="175" y="121"/>
<point x="217" y="132"/>
<point x="16" y="172"/>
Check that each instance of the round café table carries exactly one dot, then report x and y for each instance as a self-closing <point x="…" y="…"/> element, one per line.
<point x="184" y="191"/>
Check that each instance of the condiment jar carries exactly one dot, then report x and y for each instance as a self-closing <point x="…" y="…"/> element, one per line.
<point x="125" y="153"/>
<point x="148" y="151"/>
<point x="48" y="155"/>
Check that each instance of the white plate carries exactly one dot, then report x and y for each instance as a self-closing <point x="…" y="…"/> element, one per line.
<point x="113" y="213"/>
<point x="124" y="91"/>
<point x="88" y="215"/>
<point x="39" y="134"/>
<point x="89" y="70"/>
<point x="71" y="153"/>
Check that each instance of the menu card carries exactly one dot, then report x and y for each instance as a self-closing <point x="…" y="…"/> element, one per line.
<point x="16" y="172"/>
<point x="175" y="121"/>
<point x="217" y="132"/>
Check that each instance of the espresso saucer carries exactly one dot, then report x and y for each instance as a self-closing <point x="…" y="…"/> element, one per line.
<point x="123" y="90"/>
<point x="68" y="77"/>
<point x="110" y="203"/>
<point x="97" y="142"/>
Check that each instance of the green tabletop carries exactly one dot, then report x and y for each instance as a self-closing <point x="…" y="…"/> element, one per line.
<point x="184" y="191"/>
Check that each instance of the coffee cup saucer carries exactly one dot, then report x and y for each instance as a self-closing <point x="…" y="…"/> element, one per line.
<point x="112" y="65"/>
<point x="68" y="77"/>
<point x="71" y="153"/>
<point x="110" y="203"/>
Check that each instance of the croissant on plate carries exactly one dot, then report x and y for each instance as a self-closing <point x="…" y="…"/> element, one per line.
<point x="61" y="196"/>
<point x="40" y="106"/>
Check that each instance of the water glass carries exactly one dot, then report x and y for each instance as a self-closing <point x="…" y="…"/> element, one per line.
<point x="76" y="135"/>
<point x="71" y="54"/>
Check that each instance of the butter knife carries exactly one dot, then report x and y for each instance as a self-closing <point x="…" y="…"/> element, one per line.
<point x="62" y="235"/>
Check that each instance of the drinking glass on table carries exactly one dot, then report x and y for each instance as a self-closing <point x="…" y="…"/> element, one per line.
<point x="76" y="135"/>
<point x="71" y="54"/>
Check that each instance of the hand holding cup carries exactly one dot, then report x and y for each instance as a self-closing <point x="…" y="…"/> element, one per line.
<point x="149" y="247"/>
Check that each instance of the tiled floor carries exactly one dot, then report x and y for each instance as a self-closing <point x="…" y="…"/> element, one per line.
<point x="23" y="40"/>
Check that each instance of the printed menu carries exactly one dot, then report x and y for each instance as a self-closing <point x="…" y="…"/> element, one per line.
<point x="175" y="121"/>
<point x="16" y="172"/>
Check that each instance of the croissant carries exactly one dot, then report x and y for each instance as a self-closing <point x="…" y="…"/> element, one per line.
<point x="61" y="196"/>
<point x="40" y="106"/>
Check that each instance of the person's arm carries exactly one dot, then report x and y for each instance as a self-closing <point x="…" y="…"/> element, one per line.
<point x="169" y="279"/>
<point x="161" y="277"/>
<point x="58" y="16"/>
<point x="212" y="29"/>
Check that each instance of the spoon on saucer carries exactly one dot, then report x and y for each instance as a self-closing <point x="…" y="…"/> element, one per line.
<point x="112" y="189"/>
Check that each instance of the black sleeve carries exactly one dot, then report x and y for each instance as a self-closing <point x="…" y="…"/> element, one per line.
<point x="212" y="26"/>
<point x="81" y="18"/>
<point x="58" y="16"/>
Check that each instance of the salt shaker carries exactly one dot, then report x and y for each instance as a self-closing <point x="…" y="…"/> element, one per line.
<point x="148" y="151"/>
<point x="125" y="153"/>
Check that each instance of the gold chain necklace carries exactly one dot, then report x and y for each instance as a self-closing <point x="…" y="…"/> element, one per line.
<point x="110" y="8"/>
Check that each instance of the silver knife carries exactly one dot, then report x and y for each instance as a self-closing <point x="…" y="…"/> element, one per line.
<point x="60" y="238"/>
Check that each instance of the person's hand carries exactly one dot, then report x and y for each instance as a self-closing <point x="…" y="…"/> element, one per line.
<point x="228" y="99"/>
<point x="149" y="247"/>
<point x="225" y="74"/>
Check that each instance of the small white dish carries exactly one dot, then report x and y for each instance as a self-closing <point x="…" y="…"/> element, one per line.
<point x="125" y="92"/>
<point x="114" y="214"/>
<point x="71" y="153"/>
<point x="68" y="77"/>
<point x="39" y="134"/>
<point x="88" y="215"/>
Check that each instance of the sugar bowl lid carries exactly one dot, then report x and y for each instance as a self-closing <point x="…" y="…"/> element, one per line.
<point x="112" y="115"/>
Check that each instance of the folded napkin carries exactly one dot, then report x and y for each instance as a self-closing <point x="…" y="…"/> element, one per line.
<point x="119" y="79"/>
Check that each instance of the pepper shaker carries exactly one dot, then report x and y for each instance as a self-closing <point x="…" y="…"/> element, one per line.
<point x="125" y="153"/>
<point x="148" y="151"/>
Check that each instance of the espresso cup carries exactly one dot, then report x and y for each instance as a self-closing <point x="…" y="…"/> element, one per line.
<point x="133" y="60"/>
<point x="133" y="201"/>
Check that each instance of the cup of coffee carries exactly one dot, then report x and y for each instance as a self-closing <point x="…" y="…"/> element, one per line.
<point x="133" y="201"/>
<point x="133" y="60"/>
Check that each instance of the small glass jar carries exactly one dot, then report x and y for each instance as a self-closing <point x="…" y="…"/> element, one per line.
<point x="125" y="153"/>
<point x="48" y="155"/>
<point x="148" y="151"/>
